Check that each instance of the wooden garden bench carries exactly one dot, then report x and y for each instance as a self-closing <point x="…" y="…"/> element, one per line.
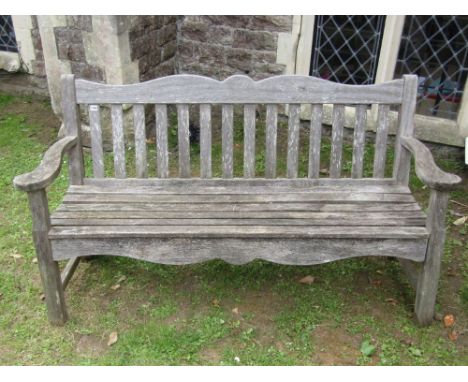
<point x="184" y="219"/>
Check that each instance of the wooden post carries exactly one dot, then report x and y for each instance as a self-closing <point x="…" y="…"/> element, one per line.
<point x="426" y="290"/>
<point x="49" y="270"/>
<point x="71" y="120"/>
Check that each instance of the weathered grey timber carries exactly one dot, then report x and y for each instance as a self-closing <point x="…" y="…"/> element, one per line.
<point x="359" y="141"/>
<point x="205" y="141"/>
<point x="314" y="140"/>
<point x="337" y="141"/>
<point x="249" y="141"/>
<point x="381" y="141"/>
<point x="96" y="141"/>
<point x="140" y="141"/>
<point x="293" y="140"/>
<point x="118" y="141"/>
<point x="290" y="220"/>
<point x="161" y="141"/>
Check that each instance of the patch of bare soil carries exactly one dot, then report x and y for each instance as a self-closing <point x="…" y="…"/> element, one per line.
<point x="334" y="346"/>
<point x="90" y="346"/>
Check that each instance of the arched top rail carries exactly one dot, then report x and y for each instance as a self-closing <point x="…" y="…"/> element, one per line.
<point x="238" y="89"/>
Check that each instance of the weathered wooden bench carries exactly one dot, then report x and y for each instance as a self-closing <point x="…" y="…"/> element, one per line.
<point x="290" y="220"/>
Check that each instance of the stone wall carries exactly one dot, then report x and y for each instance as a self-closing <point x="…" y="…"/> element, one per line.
<point x="153" y="43"/>
<point x="38" y="66"/>
<point x="220" y="46"/>
<point x="70" y="47"/>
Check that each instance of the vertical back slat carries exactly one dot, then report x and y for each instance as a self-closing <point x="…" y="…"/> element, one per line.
<point x="96" y="141"/>
<point x="337" y="140"/>
<point x="314" y="140"/>
<point x="271" y="120"/>
<point x="205" y="141"/>
<point x="359" y="141"/>
<point x="381" y="141"/>
<point x="227" y="140"/>
<point x="140" y="140"/>
<point x="249" y="141"/>
<point x="162" y="157"/>
<point x="293" y="140"/>
<point x="183" y="141"/>
<point x="71" y="121"/>
<point x="118" y="141"/>
<point x="401" y="166"/>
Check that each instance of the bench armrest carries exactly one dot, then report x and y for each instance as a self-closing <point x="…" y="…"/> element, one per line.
<point x="426" y="169"/>
<point x="48" y="169"/>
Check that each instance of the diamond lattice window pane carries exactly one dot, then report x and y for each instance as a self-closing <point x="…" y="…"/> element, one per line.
<point x="436" y="49"/>
<point x="7" y="35"/>
<point x="346" y="48"/>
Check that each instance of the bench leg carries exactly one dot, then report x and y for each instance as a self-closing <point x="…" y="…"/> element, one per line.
<point x="49" y="269"/>
<point x="428" y="280"/>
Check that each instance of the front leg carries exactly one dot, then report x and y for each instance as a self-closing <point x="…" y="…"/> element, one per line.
<point x="426" y="290"/>
<point x="49" y="269"/>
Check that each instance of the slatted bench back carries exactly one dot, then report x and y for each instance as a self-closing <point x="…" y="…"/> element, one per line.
<point x="294" y="91"/>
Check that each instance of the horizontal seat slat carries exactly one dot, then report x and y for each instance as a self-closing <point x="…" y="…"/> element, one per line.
<point x="220" y="231"/>
<point x="209" y="214"/>
<point x="233" y="207"/>
<point x="235" y="189"/>
<point x="238" y="198"/>
<point x="356" y="221"/>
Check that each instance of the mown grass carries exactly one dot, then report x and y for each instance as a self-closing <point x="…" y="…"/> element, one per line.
<point x="215" y="313"/>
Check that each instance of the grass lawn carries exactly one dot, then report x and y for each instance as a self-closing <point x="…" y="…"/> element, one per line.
<point x="215" y="313"/>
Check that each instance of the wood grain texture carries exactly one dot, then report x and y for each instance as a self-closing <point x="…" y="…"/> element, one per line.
<point x="402" y="163"/>
<point x="48" y="268"/>
<point x="343" y="183"/>
<point x="212" y="212"/>
<point x="238" y="198"/>
<point x="118" y="141"/>
<point x="97" y="151"/>
<point x="381" y="141"/>
<point x="428" y="281"/>
<point x="68" y="271"/>
<point x="44" y="174"/>
<point x="271" y="126"/>
<point x="293" y="140"/>
<point x="426" y="169"/>
<point x="183" y="141"/>
<point x="249" y="141"/>
<point x="205" y="141"/>
<point x="227" y="140"/>
<point x="72" y="124"/>
<point x="315" y="140"/>
<point x="293" y="251"/>
<point x="239" y="89"/>
<point x="359" y="141"/>
<point x="230" y="209"/>
<point x="231" y="231"/>
<point x="140" y="141"/>
<point x="162" y="154"/>
<point x="337" y="141"/>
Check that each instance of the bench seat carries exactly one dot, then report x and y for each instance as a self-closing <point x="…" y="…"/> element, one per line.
<point x="128" y="214"/>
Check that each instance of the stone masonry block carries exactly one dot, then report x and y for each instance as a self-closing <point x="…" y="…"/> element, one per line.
<point x="220" y="35"/>
<point x="271" y="23"/>
<point x="254" y="40"/>
<point x="196" y="31"/>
